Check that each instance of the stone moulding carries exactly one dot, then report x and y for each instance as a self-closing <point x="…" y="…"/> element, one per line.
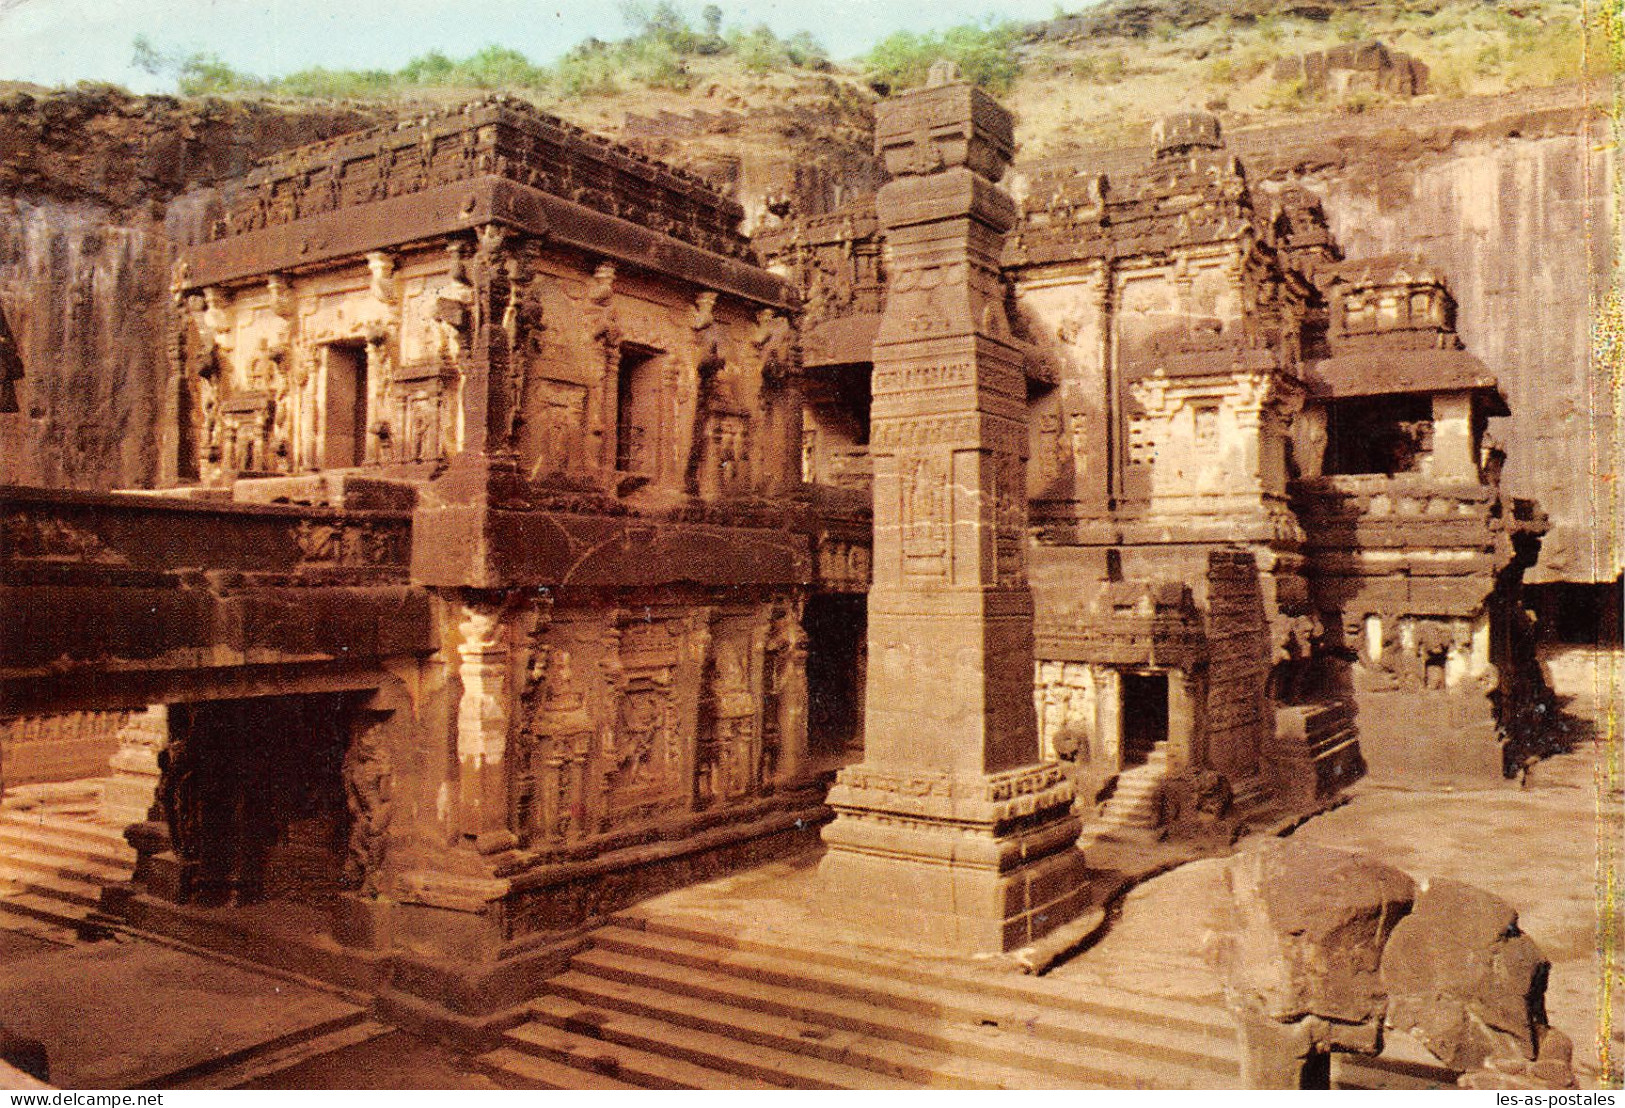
<point x="496" y="135"/>
<point x="991" y="800"/>
<point x="459" y="207"/>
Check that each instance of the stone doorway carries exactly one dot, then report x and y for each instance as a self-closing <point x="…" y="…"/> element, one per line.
<point x="256" y="796"/>
<point x="344" y="408"/>
<point x="837" y="642"/>
<point x="1145" y="715"/>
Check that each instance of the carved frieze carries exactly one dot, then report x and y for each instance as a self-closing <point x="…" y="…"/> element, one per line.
<point x="369" y="794"/>
<point x="32" y="537"/>
<point x="345" y="542"/>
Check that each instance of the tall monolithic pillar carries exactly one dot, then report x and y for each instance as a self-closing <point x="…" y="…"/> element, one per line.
<point x="950" y="834"/>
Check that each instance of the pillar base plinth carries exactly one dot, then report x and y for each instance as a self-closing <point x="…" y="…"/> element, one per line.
<point x="954" y="864"/>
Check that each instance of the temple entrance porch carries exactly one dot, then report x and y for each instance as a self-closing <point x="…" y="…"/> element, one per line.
<point x="254" y="796"/>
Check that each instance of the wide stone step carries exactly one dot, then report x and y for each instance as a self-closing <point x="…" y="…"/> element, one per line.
<point x="72" y="890"/>
<point x="288" y="1054"/>
<point x="40" y="908"/>
<point x="910" y="987"/>
<point x="1133" y="802"/>
<point x="222" y="1070"/>
<point x="1146" y="815"/>
<point x="950" y="1029"/>
<point x="623" y="1063"/>
<point x="518" y="1070"/>
<point x="76" y="828"/>
<point x="689" y="1041"/>
<point x="88" y="870"/>
<point x="885" y="1059"/>
<point x="50" y="841"/>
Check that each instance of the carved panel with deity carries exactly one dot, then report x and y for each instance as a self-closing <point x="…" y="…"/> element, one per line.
<point x="557" y="726"/>
<point x="644" y="758"/>
<point x="729" y="758"/>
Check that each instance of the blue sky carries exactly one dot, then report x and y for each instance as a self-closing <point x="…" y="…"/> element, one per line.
<point x="62" y="41"/>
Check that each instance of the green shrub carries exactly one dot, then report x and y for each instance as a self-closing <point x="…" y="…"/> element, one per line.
<point x="985" y="55"/>
<point x="1102" y="68"/>
<point x="589" y="69"/>
<point x="1288" y="95"/>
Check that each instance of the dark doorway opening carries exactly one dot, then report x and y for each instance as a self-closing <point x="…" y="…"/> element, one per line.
<point x="345" y="407"/>
<point x="837" y="627"/>
<point x="1145" y="715"/>
<point x="637" y="411"/>
<point x="258" y="787"/>
<point x="1378" y="434"/>
<point x="1577" y="614"/>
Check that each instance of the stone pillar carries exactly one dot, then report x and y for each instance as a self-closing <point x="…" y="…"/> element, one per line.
<point x="1109" y="713"/>
<point x="127" y="795"/>
<point x="1454" y="457"/>
<point x="1183" y="721"/>
<point x="482" y="723"/>
<point x="951" y="833"/>
<point x="791" y="685"/>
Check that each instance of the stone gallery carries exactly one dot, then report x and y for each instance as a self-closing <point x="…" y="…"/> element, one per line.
<point x="528" y="542"/>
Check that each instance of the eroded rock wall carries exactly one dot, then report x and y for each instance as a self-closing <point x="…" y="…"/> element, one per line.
<point x="85" y="177"/>
<point x="85" y="298"/>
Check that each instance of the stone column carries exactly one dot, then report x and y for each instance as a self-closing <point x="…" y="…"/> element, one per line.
<point x="950" y="833"/>
<point x="482" y="723"/>
<point x="1454" y="457"/>
<point x="1182" y="724"/>
<point x="792" y="688"/>
<point x="128" y="794"/>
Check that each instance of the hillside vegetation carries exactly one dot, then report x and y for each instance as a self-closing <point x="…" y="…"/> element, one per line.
<point x="1099" y="75"/>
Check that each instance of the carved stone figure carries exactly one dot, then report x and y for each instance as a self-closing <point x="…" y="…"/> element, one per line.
<point x="177" y="799"/>
<point x="369" y="796"/>
<point x="454" y="305"/>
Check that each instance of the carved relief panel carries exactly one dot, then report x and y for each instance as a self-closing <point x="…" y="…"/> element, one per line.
<point x="926" y="514"/>
<point x="728" y="762"/>
<point x="644" y="757"/>
<point x="550" y="765"/>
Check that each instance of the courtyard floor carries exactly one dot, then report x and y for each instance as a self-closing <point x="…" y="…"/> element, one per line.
<point x="1546" y="848"/>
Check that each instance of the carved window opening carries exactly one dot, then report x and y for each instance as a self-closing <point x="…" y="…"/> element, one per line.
<point x="344" y="404"/>
<point x="637" y="411"/>
<point x="835" y="438"/>
<point x="1145" y="715"/>
<point x="1378" y="434"/>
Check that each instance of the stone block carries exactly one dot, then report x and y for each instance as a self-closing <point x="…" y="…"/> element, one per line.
<point x="1463" y="979"/>
<point x="1308" y="928"/>
<point x="360" y="922"/>
<point x="170" y="878"/>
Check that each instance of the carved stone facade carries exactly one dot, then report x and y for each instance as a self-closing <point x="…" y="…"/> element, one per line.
<point x="532" y="549"/>
<point x="1238" y="443"/>
<point x="477" y="610"/>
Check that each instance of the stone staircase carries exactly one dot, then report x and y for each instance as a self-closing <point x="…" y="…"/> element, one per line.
<point x="1136" y="803"/>
<point x="55" y="859"/>
<point x="672" y="1004"/>
<point x="1315" y="750"/>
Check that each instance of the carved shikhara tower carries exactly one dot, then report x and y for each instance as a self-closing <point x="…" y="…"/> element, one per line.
<point x="950" y="833"/>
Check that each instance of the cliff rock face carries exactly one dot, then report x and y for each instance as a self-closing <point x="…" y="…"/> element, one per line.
<point x="1523" y="224"/>
<point x="85" y="175"/>
<point x="85" y="301"/>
